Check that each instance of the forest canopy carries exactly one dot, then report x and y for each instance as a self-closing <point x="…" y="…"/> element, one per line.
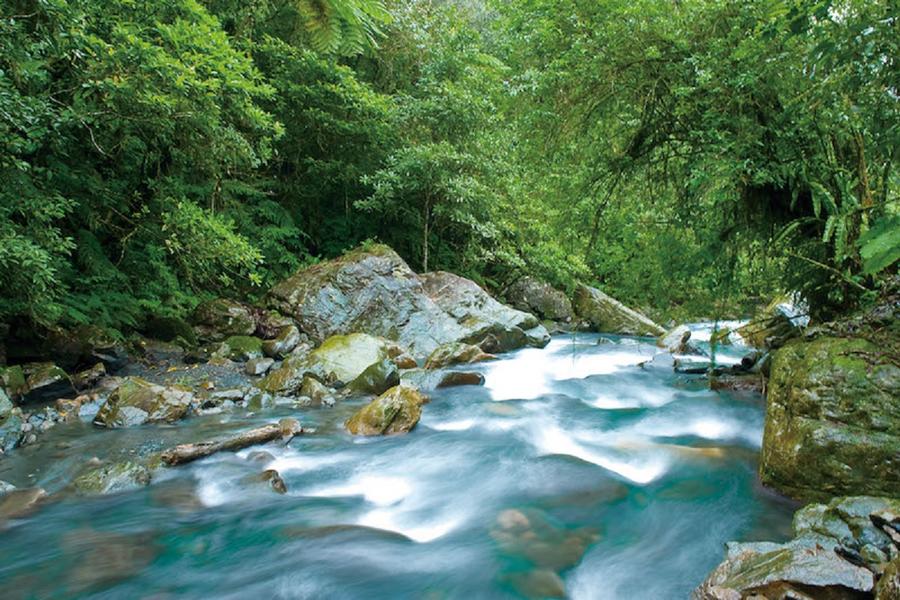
<point x="688" y="157"/>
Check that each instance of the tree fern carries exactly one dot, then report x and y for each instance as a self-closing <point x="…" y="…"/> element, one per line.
<point x="342" y="26"/>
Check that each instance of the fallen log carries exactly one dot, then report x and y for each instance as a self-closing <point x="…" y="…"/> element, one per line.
<point x="185" y="453"/>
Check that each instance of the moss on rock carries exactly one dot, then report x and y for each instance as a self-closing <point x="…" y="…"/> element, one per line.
<point x="395" y="411"/>
<point x="832" y="424"/>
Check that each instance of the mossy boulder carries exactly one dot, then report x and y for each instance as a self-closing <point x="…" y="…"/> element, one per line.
<point x="832" y="420"/>
<point x="888" y="587"/>
<point x="456" y="353"/>
<point x="137" y="401"/>
<point x="340" y="358"/>
<point x="12" y="380"/>
<point x="111" y="478"/>
<point x="220" y="318"/>
<point x="395" y="411"/>
<point x="313" y="389"/>
<point x="607" y="315"/>
<point x="377" y="378"/>
<point x="835" y="551"/>
<point x="241" y="348"/>
<point x="345" y="357"/>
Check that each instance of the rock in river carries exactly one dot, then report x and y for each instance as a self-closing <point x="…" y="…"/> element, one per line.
<point x="340" y="358"/>
<point x="374" y="290"/>
<point x="608" y="315"/>
<point x="832" y="420"/>
<point x="456" y="353"/>
<point x="137" y="401"/>
<point x="395" y="411"/>
<point x="111" y="478"/>
<point x="835" y="553"/>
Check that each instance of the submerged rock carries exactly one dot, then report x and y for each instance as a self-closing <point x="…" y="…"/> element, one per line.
<point x="103" y="559"/>
<point x="111" y="478"/>
<point x="375" y="291"/>
<point x="395" y="411"/>
<point x="608" y="315"/>
<point x="456" y="353"/>
<point x="137" y="401"/>
<point x="832" y="420"/>
<point x="541" y="299"/>
<point x="273" y="478"/>
<point x="826" y="559"/>
<point x="18" y="503"/>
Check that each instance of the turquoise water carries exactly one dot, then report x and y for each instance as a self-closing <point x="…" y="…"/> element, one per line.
<point x="573" y="468"/>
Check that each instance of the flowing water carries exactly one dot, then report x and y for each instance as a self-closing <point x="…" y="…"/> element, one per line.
<point x="572" y="467"/>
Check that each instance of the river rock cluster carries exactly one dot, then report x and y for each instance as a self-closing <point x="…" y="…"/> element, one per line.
<point x="361" y="325"/>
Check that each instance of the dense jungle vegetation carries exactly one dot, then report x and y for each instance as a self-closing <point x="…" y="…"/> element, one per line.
<point x="687" y="156"/>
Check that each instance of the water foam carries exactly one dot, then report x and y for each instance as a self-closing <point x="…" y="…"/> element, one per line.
<point x="553" y="440"/>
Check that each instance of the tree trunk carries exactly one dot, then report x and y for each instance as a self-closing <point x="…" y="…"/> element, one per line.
<point x="185" y="453"/>
<point x="426" y="232"/>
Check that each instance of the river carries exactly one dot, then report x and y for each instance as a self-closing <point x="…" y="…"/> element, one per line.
<point x="572" y="469"/>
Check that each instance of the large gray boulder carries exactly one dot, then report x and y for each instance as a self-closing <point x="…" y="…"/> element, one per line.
<point x="480" y="316"/>
<point x="374" y="291"/>
<point x="836" y="550"/>
<point x="608" y="315"/>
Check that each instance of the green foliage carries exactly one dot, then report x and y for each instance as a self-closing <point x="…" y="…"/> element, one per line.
<point x="688" y="157"/>
<point x="880" y="245"/>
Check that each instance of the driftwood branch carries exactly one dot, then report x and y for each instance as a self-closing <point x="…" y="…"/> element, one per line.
<point x="185" y="453"/>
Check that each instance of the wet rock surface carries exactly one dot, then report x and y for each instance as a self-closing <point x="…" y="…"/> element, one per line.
<point x="375" y="291"/>
<point x="606" y="314"/>
<point x="832" y="422"/>
<point x="395" y="411"/>
<point x="839" y="550"/>
<point x="137" y="401"/>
